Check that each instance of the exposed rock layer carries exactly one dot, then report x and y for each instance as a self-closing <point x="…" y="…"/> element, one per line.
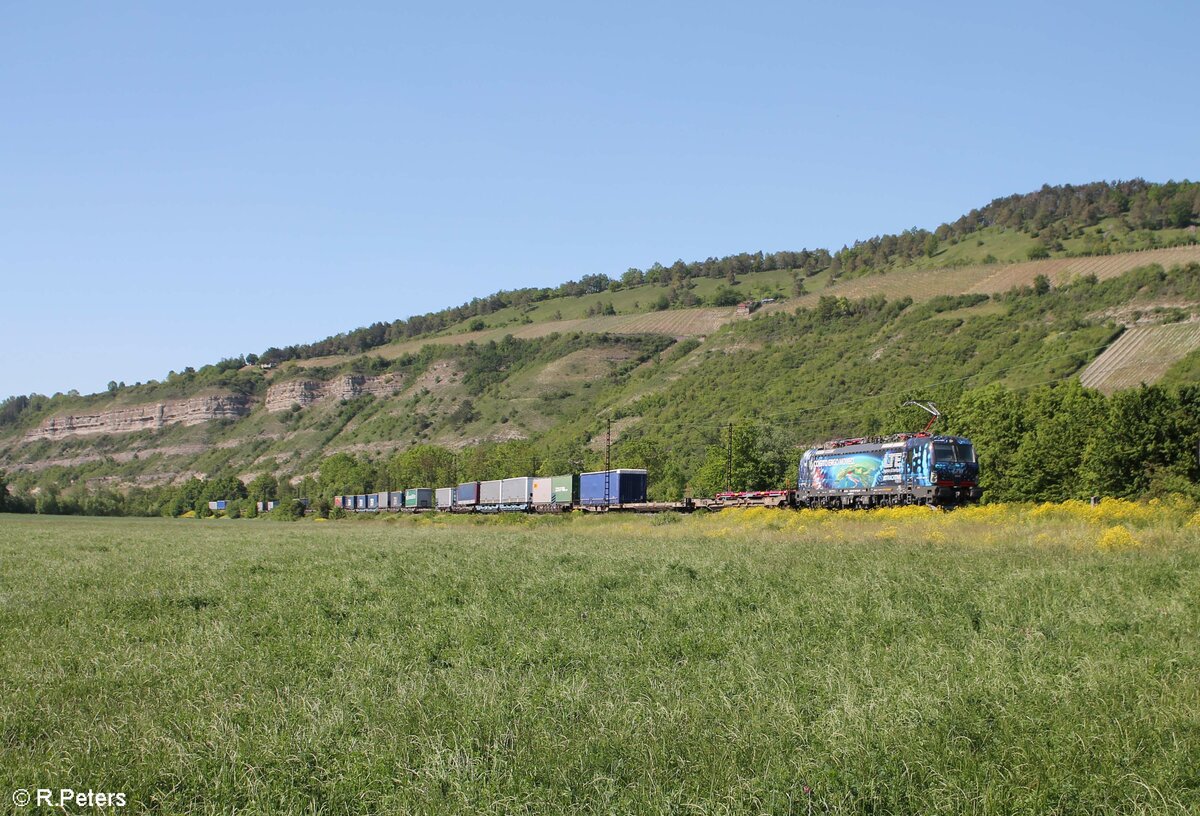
<point x="282" y="396"/>
<point x="192" y="411"/>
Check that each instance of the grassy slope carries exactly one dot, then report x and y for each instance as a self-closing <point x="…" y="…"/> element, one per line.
<point x="913" y="663"/>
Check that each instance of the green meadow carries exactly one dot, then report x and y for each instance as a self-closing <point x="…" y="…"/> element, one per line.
<point x="999" y="660"/>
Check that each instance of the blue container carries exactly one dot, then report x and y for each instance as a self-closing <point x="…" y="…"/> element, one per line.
<point x="467" y="494"/>
<point x="625" y="486"/>
<point x="360" y="502"/>
<point x="372" y="501"/>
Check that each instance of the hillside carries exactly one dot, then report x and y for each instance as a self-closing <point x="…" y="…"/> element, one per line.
<point x="837" y="352"/>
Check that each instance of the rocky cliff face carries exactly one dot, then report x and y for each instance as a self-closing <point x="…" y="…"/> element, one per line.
<point x="195" y="410"/>
<point x="192" y="411"/>
<point x="282" y="396"/>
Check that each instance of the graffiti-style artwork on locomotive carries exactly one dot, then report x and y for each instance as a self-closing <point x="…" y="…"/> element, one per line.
<point x="867" y="469"/>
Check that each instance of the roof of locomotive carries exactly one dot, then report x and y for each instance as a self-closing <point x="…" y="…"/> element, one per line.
<point x="866" y="443"/>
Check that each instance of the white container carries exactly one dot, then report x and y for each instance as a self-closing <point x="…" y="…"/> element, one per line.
<point x="446" y="497"/>
<point x="543" y="493"/>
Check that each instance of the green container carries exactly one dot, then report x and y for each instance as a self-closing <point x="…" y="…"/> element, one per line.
<point x="418" y="497"/>
<point x="564" y="489"/>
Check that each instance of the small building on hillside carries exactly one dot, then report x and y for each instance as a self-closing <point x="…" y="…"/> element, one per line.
<point x="746" y="307"/>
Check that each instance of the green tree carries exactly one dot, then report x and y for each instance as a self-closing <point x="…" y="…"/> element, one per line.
<point x="422" y="466"/>
<point x="345" y="474"/>
<point x="1060" y="420"/>
<point x="724" y="297"/>
<point x="993" y="418"/>
<point x="798" y="287"/>
<point x="1142" y="439"/>
<point x="757" y="463"/>
<point x="263" y="487"/>
<point x="228" y="488"/>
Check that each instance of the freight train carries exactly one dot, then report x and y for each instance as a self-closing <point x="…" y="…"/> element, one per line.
<point x="902" y="469"/>
<point x="623" y="488"/>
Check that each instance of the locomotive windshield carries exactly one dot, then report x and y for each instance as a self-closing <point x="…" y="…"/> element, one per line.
<point x="953" y="452"/>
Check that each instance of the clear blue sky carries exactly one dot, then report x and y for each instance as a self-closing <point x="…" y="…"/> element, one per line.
<point x="184" y="182"/>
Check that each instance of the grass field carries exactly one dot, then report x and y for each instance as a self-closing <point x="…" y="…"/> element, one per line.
<point x="995" y="660"/>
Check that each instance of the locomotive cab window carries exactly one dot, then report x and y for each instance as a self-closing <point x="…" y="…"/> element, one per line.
<point x="953" y="452"/>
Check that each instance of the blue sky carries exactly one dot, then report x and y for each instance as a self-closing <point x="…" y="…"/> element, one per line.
<point x="180" y="184"/>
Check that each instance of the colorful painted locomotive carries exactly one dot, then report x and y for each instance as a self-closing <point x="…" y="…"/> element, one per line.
<point x="893" y="470"/>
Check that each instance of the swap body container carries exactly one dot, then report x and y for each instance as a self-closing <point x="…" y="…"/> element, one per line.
<point x="418" y="497"/>
<point x="373" y="501"/>
<point x="396" y="499"/>
<point x="444" y="498"/>
<point x="218" y="505"/>
<point x="565" y="489"/>
<point x="517" y="490"/>
<point x="337" y="501"/>
<point x="543" y="491"/>
<point x="360" y="502"/>
<point x="625" y="486"/>
<point x="467" y="494"/>
<point x="489" y="491"/>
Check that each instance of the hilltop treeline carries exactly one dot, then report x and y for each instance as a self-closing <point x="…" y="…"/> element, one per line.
<point x="378" y="334"/>
<point x="1051" y="213"/>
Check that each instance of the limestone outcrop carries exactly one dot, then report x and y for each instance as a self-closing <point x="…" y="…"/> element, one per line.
<point x="282" y="396"/>
<point x="190" y="411"/>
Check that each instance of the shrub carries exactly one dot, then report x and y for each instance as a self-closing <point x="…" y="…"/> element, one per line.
<point x="1117" y="538"/>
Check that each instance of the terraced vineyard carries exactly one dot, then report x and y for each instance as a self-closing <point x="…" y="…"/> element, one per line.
<point x="1141" y="355"/>
<point x="1062" y="270"/>
<point x="922" y="284"/>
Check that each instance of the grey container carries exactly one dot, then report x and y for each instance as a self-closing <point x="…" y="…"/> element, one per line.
<point x="489" y="492"/>
<point x="543" y="491"/>
<point x="445" y="497"/>
<point x="396" y="499"/>
<point x="517" y="490"/>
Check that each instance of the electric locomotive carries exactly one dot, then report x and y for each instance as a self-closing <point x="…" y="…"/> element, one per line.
<point x="892" y="470"/>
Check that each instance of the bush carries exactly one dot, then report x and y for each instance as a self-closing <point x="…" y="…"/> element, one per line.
<point x="288" y="510"/>
<point x="1117" y="538"/>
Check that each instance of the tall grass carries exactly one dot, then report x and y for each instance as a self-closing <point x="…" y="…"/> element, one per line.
<point x="990" y="661"/>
